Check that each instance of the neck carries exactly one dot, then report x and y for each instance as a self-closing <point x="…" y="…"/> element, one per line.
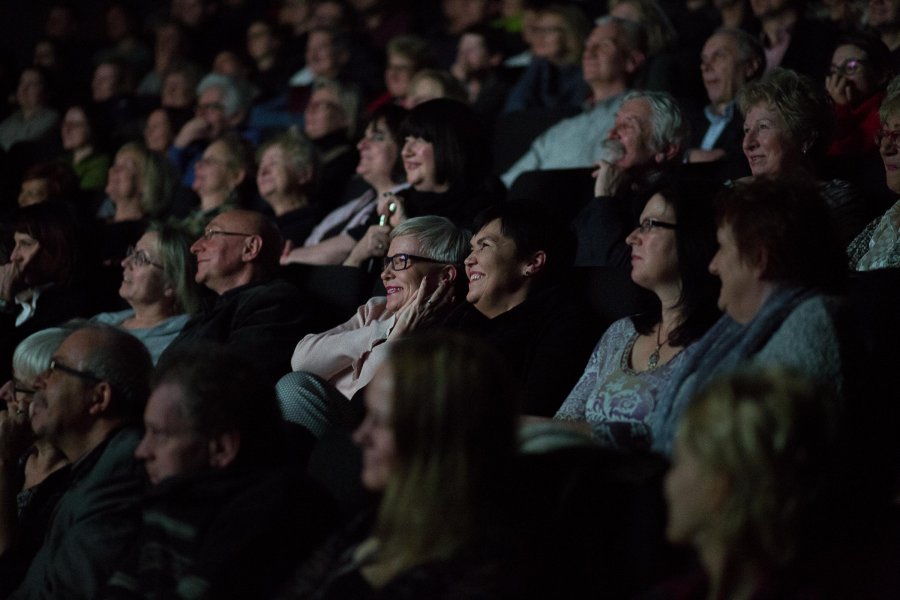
<point x="507" y="303"/>
<point x="754" y="300"/>
<point x="78" y="444"/>
<point x="128" y="210"/>
<point x="149" y="315"/>
<point x="245" y="276"/>
<point x="601" y="90"/>
<point x="285" y="203"/>
<point x="213" y="200"/>
<point x="727" y="579"/>
<point x="719" y="107"/>
<point x="382" y="186"/>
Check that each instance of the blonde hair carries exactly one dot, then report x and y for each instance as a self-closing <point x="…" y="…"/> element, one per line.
<point x="454" y="422"/>
<point x="771" y="434"/>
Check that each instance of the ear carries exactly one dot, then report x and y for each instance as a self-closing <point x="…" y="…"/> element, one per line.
<point x="304" y="176"/>
<point x="252" y="248"/>
<point x="751" y="67"/>
<point x="223" y="449"/>
<point x="669" y="153"/>
<point x="760" y="264"/>
<point x="238" y="177"/>
<point x="101" y="395"/>
<point x="448" y="273"/>
<point x="535" y="263"/>
<point x="634" y="62"/>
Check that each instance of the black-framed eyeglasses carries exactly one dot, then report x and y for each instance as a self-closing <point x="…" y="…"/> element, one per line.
<point x="647" y="224"/>
<point x="20" y="389"/>
<point x="400" y="262"/>
<point x="55" y="365"/>
<point x="209" y="234"/>
<point x="851" y="66"/>
<point x="893" y="137"/>
<point x="140" y="258"/>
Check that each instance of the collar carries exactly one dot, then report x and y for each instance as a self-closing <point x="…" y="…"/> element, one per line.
<point x="713" y="117"/>
<point x="27" y="301"/>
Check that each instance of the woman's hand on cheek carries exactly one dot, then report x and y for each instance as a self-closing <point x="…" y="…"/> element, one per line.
<point x="424" y="307"/>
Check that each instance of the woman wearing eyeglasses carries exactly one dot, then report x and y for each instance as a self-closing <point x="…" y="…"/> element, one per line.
<point x="787" y="126"/>
<point x="670" y="250"/>
<point x="781" y="267"/>
<point x="860" y="70"/>
<point x="34" y="482"/>
<point x="878" y="245"/>
<point x="158" y="283"/>
<point x="421" y="272"/>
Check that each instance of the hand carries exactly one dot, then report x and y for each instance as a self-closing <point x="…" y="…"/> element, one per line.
<point x="423" y="308"/>
<point x="195" y="129"/>
<point x="395" y="216"/>
<point x="285" y="258"/>
<point x="10" y="279"/>
<point x="841" y="90"/>
<point x="607" y="179"/>
<point x="698" y="155"/>
<point x="374" y="244"/>
<point x="16" y="436"/>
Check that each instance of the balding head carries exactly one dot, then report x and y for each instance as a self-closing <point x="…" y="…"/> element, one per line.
<point x="238" y="247"/>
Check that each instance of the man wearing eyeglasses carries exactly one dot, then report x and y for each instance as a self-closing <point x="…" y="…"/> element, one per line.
<point x="254" y="313"/>
<point x="88" y="404"/>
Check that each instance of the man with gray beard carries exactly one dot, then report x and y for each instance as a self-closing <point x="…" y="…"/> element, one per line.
<point x="649" y="135"/>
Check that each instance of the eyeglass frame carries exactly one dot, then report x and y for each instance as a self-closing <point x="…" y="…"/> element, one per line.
<point x="140" y="258"/>
<point x="389" y="260"/>
<point x="647" y="225"/>
<point x="850" y="63"/>
<point x="209" y="234"/>
<point x="56" y="365"/>
<point x="893" y="136"/>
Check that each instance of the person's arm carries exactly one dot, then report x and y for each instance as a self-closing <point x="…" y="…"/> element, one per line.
<point x="575" y="405"/>
<point x="333" y="251"/>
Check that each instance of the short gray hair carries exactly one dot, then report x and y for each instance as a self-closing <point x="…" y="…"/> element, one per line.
<point x="635" y="33"/>
<point x="234" y="95"/>
<point x="438" y="238"/>
<point x="347" y="97"/>
<point x="33" y="354"/>
<point x="748" y="47"/>
<point x="670" y="128"/>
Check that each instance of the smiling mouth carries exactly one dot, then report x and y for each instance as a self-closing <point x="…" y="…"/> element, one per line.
<point x="475" y="276"/>
<point x="392" y="290"/>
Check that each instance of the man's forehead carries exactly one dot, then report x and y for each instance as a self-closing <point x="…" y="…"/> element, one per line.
<point x="232" y="221"/>
<point x="634" y="109"/>
<point x="720" y="41"/>
<point x="606" y="31"/>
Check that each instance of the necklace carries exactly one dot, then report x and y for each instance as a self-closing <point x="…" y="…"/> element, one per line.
<point x="654" y="356"/>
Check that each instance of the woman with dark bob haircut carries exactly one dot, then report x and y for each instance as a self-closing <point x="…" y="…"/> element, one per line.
<point x="43" y="283"/>
<point x="670" y="252"/>
<point x="517" y="300"/>
<point x="447" y="159"/>
<point x="780" y="263"/>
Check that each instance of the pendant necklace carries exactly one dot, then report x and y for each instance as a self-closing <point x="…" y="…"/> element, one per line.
<point x="654" y="356"/>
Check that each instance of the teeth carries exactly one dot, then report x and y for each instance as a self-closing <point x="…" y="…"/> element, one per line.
<point x="475" y="276"/>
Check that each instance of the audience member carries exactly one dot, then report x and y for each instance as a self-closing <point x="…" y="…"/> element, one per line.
<point x="670" y="252"/>
<point x="787" y="123"/>
<point x="780" y="262"/>
<point x="406" y="56"/>
<point x="516" y="300"/>
<point x="421" y="276"/>
<point x="48" y="182"/>
<point x="878" y="244"/>
<point x="613" y="54"/>
<point x="884" y="17"/>
<point x="859" y="73"/>
<point x="649" y="136"/>
<point x="477" y="67"/>
<point x="553" y="78"/>
<point x="287" y="177"/>
<point x="179" y="87"/>
<point x="169" y="51"/>
<point x="34" y="118"/>
<point x="83" y="133"/>
<point x="161" y="126"/>
<point x="222" y="478"/>
<point x="158" y="284"/>
<point x="429" y="84"/>
<point x="792" y="40"/>
<point x="441" y="416"/>
<point x="730" y="58"/>
<point x="381" y="168"/>
<point x="43" y="284"/>
<point x="32" y="483"/>
<point x="270" y="68"/>
<point x="88" y="405"/>
<point x="254" y="314"/>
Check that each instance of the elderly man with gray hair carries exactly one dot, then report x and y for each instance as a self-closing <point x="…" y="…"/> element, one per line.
<point x="649" y="135"/>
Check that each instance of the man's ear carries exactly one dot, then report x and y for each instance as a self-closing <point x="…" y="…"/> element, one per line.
<point x="304" y="176"/>
<point x="534" y="265"/>
<point x="101" y="395"/>
<point x="760" y="264"/>
<point x="252" y="248"/>
<point x="238" y="177"/>
<point x="223" y="449"/>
